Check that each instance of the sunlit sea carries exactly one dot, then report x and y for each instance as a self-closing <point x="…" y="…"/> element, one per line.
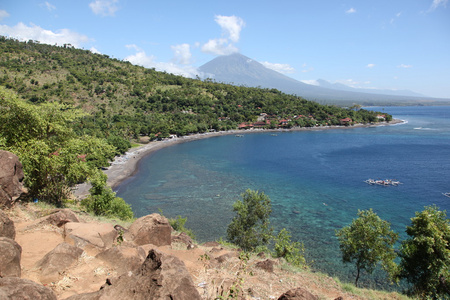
<point x="315" y="180"/>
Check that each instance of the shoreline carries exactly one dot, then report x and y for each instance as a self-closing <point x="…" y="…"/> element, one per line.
<point x="126" y="165"/>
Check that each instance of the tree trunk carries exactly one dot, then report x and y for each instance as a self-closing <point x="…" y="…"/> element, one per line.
<point x="357" y="276"/>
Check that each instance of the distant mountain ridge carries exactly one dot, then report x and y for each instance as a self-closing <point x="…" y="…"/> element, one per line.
<point x="239" y="69"/>
<point x="343" y="87"/>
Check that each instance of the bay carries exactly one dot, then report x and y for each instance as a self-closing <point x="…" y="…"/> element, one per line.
<point x="314" y="178"/>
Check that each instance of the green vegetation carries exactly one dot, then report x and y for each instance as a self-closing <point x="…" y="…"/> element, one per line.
<point x="368" y="240"/>
<point x="102" y="201"/>
<point x="178" y="225"/>
<point x="127" y="101"/>
<point x="250" y="227"/>
<point x="425" y="255"/>
<point x="293" y="252"/>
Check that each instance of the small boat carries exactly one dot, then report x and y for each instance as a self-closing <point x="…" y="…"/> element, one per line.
<point x="446" y="194"/>
<point x="239" y="135"/>
<point x="385" y="182"/>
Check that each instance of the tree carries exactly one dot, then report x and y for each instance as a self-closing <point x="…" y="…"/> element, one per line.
<point x="250" y="227"/>
<point x="425" y="255"/>
<point x="102" y="201"/>
<point x="369" y="241"/>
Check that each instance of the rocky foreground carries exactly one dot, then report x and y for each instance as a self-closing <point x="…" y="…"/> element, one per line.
<point x="65" y="254"/>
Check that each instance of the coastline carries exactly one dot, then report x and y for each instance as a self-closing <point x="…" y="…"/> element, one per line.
<point x="125" y="165"/>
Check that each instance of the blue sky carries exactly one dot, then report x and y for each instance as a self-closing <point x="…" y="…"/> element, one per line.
<point x="395" y="44"/>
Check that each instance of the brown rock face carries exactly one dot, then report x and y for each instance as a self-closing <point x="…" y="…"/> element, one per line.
<point x="90" y="234"/>
<point x="11" y="177"/>
<point x="151" y="229"/>
<point x="7" y="226"/>
<point x="266" y="265"/>
<point x="123" y="258"/>
<point x="16" y="288"/>
<point x="298" y="294"/>
<point x="62" y="217"/>
<point x="160" y="277"/>
<point x="57" y="261"/>
<point x="10" y="254"/>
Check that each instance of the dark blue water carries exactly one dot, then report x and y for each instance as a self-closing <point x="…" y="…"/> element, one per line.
<point x="315" y="179"/>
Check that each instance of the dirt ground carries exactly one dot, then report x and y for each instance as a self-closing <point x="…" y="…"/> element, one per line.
<point x="211" y="277"/>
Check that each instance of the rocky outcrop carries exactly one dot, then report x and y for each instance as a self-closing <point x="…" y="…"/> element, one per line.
<point x="17" y="288"/>
<point x="160" y="277"/>
<point x="57" y="261"/>
<point x="123" y="258"/>
<point x="11" y="177"/>
<point x="266" y="265"/>
<point x="10" y="254"/>
<point x="151" y="229"/>
<point x="94" y="235"/>
<point x="183" y="238"/>
<point x="298" y="294"/>
<point x="61" y="217"/>
<point x="7" y="226"/>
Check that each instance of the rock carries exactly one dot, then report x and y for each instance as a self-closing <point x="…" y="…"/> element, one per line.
<point x="123" y="258"/>
<point x="151" y="229"/>
<point x="57" y="261"/>
<point x="61" y="217"/>
<point x="90" y="234"/>
<point x="10" y="254"/>
<point x="17" y="288"/>
<point x="224" y="257"/>
<point x="298" y="294"/>
<point x="183" y="238"/>
<point x="11" y="177"/>
<point x="7" y="226"/>
<point x="160" y="277"/>
<point x="266" y="265"/>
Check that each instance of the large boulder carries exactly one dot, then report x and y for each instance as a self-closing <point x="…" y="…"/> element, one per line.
<point x="57" y="261"/>
<point x="10" y="254"/>
<point x="151" y="229"/>
<point x="19" y="289"/>
<point x="11" y="177"/>
<point x="88" y="235"/>
<point x="298" y="294"/>
<point x="61" y="217"/>
<point x="123" y="258"/>
<point x="6" y="226"/>
<point x="160" y="277"/>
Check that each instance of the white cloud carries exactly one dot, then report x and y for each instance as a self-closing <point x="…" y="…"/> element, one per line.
<point x="182" y="54"/>
<point x="104" y="8"/>
<point x="437" y="3"/>
<point x="404" y="66"/>
<point x="370" y="65"/>
<point x="149" y="61"/>
<point x="219" y="47"/>
<point x="94" y="50"/>
<point x="350" y="11"/>
<point x="231" y="31"/>
<point x="3" y="14"/>
<point x="281" y="68"/>
<point x="36" y="33"/>
<point x="49" y="6"/>
<point x="231" y="25"/>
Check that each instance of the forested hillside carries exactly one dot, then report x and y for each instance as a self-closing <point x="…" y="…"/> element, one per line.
<point x="124" y="100"/>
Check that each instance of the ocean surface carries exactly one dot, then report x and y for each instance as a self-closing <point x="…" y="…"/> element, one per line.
<point x="315" y="180"/>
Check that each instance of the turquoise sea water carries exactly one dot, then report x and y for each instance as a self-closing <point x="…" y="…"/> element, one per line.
<point x="315" y="179"/>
